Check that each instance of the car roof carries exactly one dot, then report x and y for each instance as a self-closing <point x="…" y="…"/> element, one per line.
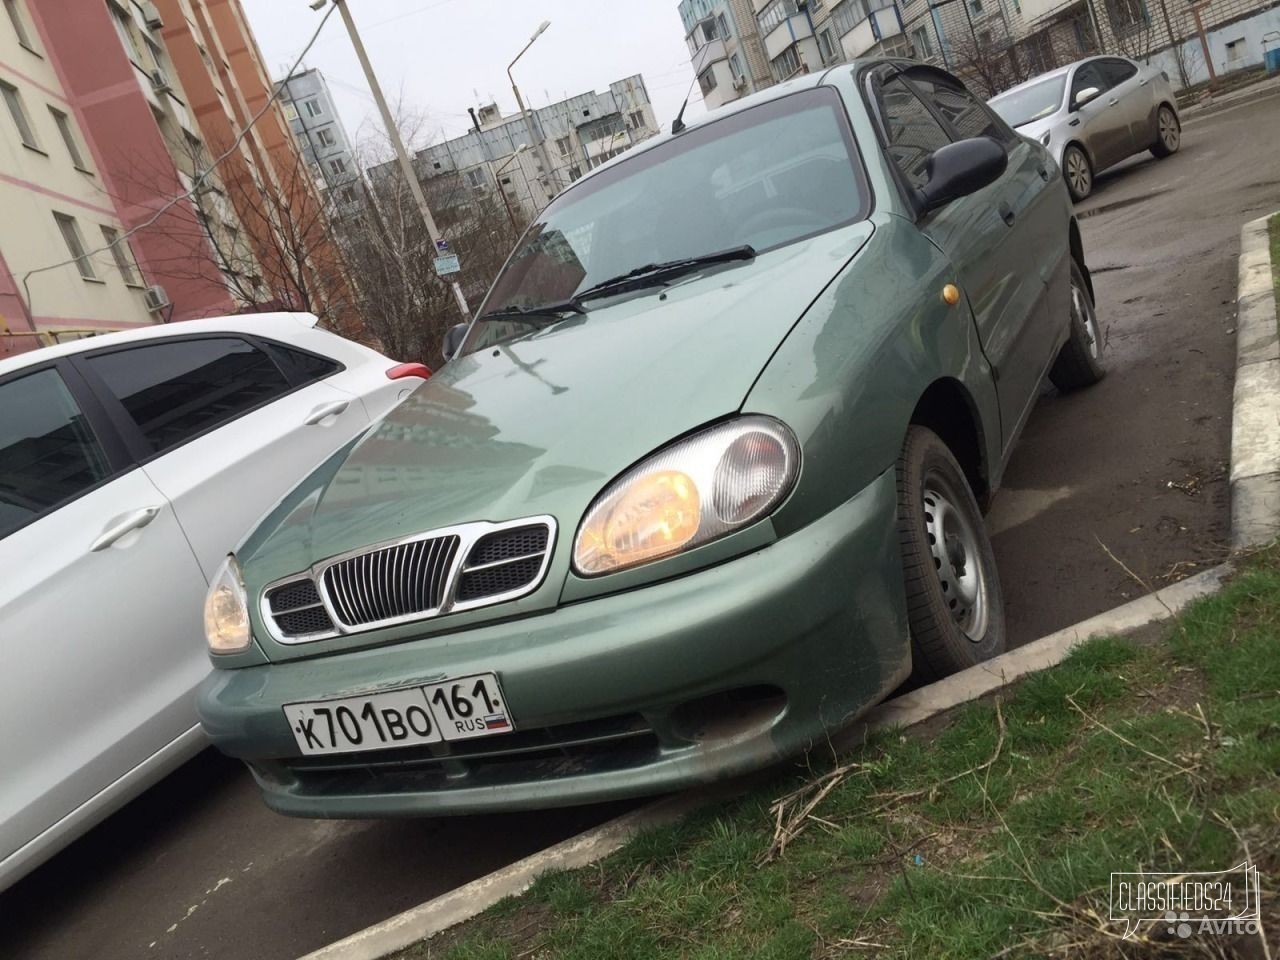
<point x="276" y="325"/>
<point x="1059" y="72"/>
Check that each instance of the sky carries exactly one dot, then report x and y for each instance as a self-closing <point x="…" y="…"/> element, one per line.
<point x="438" y="57"/>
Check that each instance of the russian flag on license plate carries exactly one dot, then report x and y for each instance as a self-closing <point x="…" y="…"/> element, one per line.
<point x="497" y="722"/>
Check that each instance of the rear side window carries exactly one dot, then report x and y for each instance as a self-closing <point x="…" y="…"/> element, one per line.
<point x="178" y="390"/>
<point x="302" y="367"/>
<point x="965" y="112"/>
<point x="48" y="452"/>
<point x="911" y="129"/>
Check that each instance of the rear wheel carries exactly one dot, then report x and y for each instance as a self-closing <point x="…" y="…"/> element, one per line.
<point x="1168" y="133"/>
<point x="1078" y="172"/>
<point x="1079" y="363"/>
<point x="954" y="605"/>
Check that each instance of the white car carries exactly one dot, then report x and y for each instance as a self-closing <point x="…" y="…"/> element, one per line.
<point x="130" y="464"/>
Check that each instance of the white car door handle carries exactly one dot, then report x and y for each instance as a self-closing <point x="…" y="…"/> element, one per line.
<point x="325" y="411"/>
<point x="122" y="525"/>
<point x="1113" y="102"/>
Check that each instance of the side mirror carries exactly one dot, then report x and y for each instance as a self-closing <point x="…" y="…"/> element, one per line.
<point x="962" y="168"/>
<point x="1085" y="95"/>
<point x="453" y="340"/>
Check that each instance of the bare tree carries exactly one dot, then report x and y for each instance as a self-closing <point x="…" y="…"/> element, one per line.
<point x="406" y="305"/>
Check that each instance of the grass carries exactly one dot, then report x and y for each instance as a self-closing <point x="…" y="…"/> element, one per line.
<point x="992" y="833"/>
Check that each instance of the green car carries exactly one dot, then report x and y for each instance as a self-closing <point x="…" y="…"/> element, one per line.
<point x="701" y="483"/>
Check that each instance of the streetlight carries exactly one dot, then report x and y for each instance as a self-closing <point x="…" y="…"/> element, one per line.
<point x="524" y="113"/>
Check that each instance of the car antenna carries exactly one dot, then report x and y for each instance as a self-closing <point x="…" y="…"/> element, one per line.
<point x="678" y="123"/>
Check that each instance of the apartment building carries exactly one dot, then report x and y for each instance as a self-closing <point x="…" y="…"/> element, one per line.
<point x="268" y="182"/>
<point x="725" y="49"/>
<point x="500" y="155"/>
<point x="316" y="126"/>
<point x="92" y="136"/>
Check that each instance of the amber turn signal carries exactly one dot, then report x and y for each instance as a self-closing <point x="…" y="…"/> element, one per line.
<point x="951" y="294"/>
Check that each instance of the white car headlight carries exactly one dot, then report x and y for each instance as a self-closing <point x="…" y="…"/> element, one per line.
<point x="691" y="493"/>
<point x="226" y="610"/>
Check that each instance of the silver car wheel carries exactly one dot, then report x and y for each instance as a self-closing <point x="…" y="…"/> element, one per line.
<point x="1083" y="314"/>
<point x="1170" y="132"/>
<point x="957" y="557"/>
<point x="1078" y="173"/>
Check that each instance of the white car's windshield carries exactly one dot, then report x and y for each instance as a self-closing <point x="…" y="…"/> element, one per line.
<point x="767" y="176"/>
<point x="1031" y="103"/>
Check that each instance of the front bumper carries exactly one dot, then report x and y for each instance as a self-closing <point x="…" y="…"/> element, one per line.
<point x="666" y="686"/>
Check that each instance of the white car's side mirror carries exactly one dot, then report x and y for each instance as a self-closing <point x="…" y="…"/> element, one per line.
<point x="1085" y="95"/>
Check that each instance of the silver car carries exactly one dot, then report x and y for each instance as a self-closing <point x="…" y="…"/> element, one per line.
<point x="1094" y="113"/>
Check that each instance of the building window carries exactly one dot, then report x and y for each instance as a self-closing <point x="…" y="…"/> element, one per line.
<point x="506" y="181"/>
<point x="1126" y="13"/>
<point x="20" y="28"/>
<point x="826" y="46"/>
<point x="313" y="107"/>
<point x="775" y="13"/>
<point x="735" y="67"/>
<point x="14" y="102"/>
<point x="637" y="119"/>
<point x="348" y="195"/>
<point x="290" y="111"/>
<point x="923" y="45"/>
<point x="786" y="64"/>
<point x="338" y="166"/>
<point x="75" y="244"/>
<point x="564" y="145"/>
<point x="122" y="21"/>
<point x="707" y="81"/>
<point x="722" y="26"/>
<point x="975" y="6"/>
<point x="476" y="179"/>
<point x="122" y="254"/>
<point x="325" y="137"/>
<point x="63" y="123"/>
<point x="848" y="15"/>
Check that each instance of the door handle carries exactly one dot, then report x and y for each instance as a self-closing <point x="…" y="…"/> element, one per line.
<point x="1044" y="172"/>
<point x="325" y="411"/>
<point x="1006" y="212"/>
<point x="1142" y="83"/>
<point x="122" y="525"/>
<point x="1113" y="102"/>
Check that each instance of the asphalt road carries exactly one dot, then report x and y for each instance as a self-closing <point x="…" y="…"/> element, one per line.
<point x="199" y="868"/>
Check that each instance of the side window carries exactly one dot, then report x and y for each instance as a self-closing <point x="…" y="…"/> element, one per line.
<point x="1090" y="75"/>
<point x="911" y="130"/>
<point x="48" y="453"/>
<point x="301" y="367"/>
<point x="1117" y="72"/>
<point x="966" y="113"/>
<point x="178" y="390"/>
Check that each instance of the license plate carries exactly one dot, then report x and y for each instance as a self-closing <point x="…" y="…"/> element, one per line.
<point x="459" y="709"/>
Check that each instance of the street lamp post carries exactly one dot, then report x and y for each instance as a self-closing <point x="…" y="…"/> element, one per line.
<point x="524" y="113"/>
<point x="402" y="155"/>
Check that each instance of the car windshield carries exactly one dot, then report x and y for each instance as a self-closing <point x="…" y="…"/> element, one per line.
<point x="761" y="178"/>
<point x="1030" y="103"/>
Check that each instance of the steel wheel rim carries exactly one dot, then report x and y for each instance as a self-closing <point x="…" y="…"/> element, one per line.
<point x="1169" y="132"/>
<point x="957" y="557"/>
<point x="1083" y="314"/>
<point x="1078" y="172"/>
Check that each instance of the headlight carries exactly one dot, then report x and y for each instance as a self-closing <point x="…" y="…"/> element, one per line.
<point x="691" y="493"/>
<point x="226" y="610"/>
<point x="1044" y="137"/>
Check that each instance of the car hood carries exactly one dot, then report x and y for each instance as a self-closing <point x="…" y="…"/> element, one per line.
<point x="540" y="425"/>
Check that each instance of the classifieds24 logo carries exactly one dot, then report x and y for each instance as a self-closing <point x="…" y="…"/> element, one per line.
<point x="1189" y="904"/>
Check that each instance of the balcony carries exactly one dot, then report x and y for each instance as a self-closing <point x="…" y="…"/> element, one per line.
<point x="786" y="33"/>
<point x="708" y="53"/>
<point x="878" y="25"/>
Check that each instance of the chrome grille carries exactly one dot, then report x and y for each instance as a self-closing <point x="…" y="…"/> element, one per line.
<point x="503" y="562"/>
<point x="392" y="583"/>
<point x="297" y="609"/>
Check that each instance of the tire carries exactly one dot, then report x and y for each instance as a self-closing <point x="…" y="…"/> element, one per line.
<point x="1168" y="133"/>
<point x="1077" y="171"/>
<point x="955" y="608"/>
<point x="1079" y="362"/>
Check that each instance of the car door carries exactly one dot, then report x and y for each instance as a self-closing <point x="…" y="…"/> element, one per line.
<point x="225" y="425"/>
<point x="1129" y="94"/>
<point x="1007" y="241"/>
<point x="1102" y="126"/>
<point x="100" y="622"/>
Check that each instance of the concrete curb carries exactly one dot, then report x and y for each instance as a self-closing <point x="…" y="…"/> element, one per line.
<point x="1255" y="520"/>
<point x="1254" y="91"/>
<point x="1255" y="415"/>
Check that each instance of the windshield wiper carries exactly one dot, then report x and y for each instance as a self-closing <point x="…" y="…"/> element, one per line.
<point x="655" y="273"/>
<point x="550" y="310"/>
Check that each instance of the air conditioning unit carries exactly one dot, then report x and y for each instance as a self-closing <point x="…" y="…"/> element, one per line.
<point x="152" y="16"/>
<point x="156" y="298"/>
<point x="160" y="81"/>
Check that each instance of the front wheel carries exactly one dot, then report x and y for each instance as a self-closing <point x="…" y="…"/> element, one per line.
<point x="1078" y="172"/>
<point x="1079" y="363"/>
<point x="954" y="605"/>
<point x="1168" y="133"/>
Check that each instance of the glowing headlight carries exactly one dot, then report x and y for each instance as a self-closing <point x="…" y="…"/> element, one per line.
<point x="691" y="493"/>
<point x="226" y="610"/>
